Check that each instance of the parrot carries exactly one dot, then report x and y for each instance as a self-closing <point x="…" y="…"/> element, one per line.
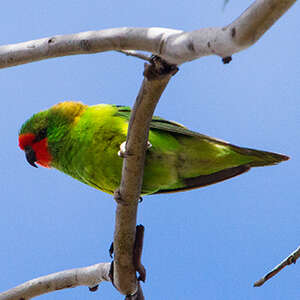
<point x="84" y="141"/>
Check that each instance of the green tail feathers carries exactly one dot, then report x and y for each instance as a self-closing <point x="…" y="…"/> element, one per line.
<point x="261" y="158"/>
<point x="257" y="159"/>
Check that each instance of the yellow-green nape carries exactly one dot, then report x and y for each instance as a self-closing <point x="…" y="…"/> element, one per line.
<point x="69" y="109"/>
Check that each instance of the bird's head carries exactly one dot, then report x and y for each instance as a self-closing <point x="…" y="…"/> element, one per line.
<point x="42" y="135"/>
<point x="33" y="140"/>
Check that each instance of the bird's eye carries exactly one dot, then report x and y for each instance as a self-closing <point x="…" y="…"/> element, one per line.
<point x="41" y="135"/>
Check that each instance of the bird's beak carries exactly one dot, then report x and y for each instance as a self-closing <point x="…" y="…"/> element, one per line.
<point x="30" y="156"/>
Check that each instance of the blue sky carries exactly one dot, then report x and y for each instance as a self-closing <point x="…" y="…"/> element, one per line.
<point x="211" y="243"/>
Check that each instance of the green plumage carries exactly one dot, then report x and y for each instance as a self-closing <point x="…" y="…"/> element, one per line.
<point x="84" y="142"/>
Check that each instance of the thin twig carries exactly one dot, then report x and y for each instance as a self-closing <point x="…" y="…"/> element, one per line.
<point x="291" y="259"/>
<point x="135" y="54"/>
<point x="138" y="251"/>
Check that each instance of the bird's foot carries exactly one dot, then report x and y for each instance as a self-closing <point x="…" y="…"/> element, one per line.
<point x="149" y="145"/>
<point x="123" y="152"/>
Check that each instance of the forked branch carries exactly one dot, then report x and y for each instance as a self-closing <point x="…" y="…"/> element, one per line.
<point x="174" y="46"/>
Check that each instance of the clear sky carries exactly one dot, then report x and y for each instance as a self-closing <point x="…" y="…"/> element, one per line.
<point x="211" y="243"/>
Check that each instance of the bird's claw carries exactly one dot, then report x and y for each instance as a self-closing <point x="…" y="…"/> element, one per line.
<point x="149" y="145"/>
<point x="123" y="152"/>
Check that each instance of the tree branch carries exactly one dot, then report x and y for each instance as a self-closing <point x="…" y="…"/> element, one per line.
<point x="174" y="46"/>
<point x="225" y="41"/>
<point x="292" y="258"/>
<point x="88" y="276"/>
<point x="155" y="81"/>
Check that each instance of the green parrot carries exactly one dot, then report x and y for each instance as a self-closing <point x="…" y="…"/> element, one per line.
<point x="83" y="142"/>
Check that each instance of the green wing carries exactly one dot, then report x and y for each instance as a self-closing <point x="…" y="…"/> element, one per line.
<point x="165" y="125"/>
<point x="263" y="157"/>
<point x="256" y="157"/>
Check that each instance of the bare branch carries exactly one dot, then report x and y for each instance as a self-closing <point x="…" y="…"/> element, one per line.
<point x="132" y="175"/>
<point x="225" y="41"/>
<point x="144" y="39"/>
<point x="292" y="258"/>
<point x="88" y="276"/>
<point x="174" y="46"/>
<point x="257" y="19"/>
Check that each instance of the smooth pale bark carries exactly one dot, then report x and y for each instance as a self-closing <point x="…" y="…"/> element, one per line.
<point x="87" y="276"/>
<point x="174" y="46"/>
